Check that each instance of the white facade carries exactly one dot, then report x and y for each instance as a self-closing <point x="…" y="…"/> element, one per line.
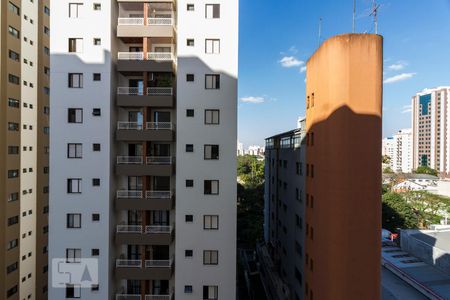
<point x="240" y="149"/>
<point x="388" y="147"/>
<point x="192" y="278"/>
<point x="401" y="159"/>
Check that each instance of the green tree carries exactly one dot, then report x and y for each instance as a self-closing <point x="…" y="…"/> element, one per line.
<point x="385" y="159"/>
<point x="426" y="170"/>
<point x="397" y="213"/>
<point x="432" y="207"/>
<point x="388" y="170"/>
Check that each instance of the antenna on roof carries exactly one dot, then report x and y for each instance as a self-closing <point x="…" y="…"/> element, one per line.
<point x="320" y="31"/>
<point x="374" y="13"/>
<point x="354" y="15"/>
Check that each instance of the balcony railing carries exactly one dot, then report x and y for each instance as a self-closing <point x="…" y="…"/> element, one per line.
<point x="159" y="160"/>
<point x="160" y="56"/>
<point x="129" y="194"/>
<point x="158" y="126"/>
<point x="130" y="21"/>
<point x="130" y="160"/>
<point x="131" y="91"/>
<point x="158" y="263"/>
<point x="128" y="297"/>
<point x="158" y="229"/>
<point x="160" y="21"/>
<point x="158" y="194"/>
<point x="130" y="55"/>
<point x="129" y="228"/>
<point x="129" y="263"/>
<point x="160" y="91"/>
<point x="129" y="126"/>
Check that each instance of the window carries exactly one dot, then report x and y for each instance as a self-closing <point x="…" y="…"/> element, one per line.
<point x="46" y="130"/>
<point x="74" y="150"/>
<point x="211" y="187"/>
<point x="46" y="10"/>
<point x="188" y="289"/>
<point x="75" y="115"/>
<point x="46" y="110"/>
<point x="73" y="220"/>
<point x="211" y="222"/>
<point x="74" y="185"/>
<point x="189" y="148"/>
<point x="212" y="11"/>
<point x="96" y="182"/>
<point x="189" y="183"/>
<point x="12" y="291"/>
<point x="190" y="7"/>
<point x="13" y="220"/>
<point x="11" y="268"/>
<point x="190" y="77"/>
<point x="13" y="150"/>
<point x="95" y="252"/>
<point x="212" y="116"/>
<point x="97" y="41"/>
<point x="212" y="46"/>
<point x="210" y="257"/>
<point x="73" y="255"/>
<point x="13" y="103"/>
<point x="95" y="217"/>
<point x="13" y="173"/>
<point x="95" y="287"/>
<point x="13" y="8"/>
<point x="13" y="79"/>
<point x="13" y="197"/>
<point x="211" y="152"/>
<point x="97" y="6"/>
<point x="189" y="218"/>
<point x="212" y="82"/>
<point x="75" y="45"/>
<point x="96" y="147"/>
<point x="190" y="42"/>
<point x="210" y="292"/>
<point x="14" y="32"/>
<point x="73" y="291"/>
<point x="96" y="112"/>
<point x="188" y="253"/>
<point x="75" y="80"/>
<point x="12" y="244"/>
<point x="97" y="77"/>
<point x="47" y="50"/>
<point x="190" y="113"/>
<point x="46" y="30"/>
<point x="14" y="55"/>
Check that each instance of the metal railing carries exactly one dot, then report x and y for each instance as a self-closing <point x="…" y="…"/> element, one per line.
<point x="130" y="21"/>
<point x="160" y="21"/>
<point x="128" y="297"/>
<point x="158" y="229"/>
<point x="129" y="263"/>
<point x="160" y="91"/>
<point x="129" y="126"/>
<point x="129" y="228"/>
<point x="158" y="194"/>
<point x="160" y="56"/>
<point x="158" y="297"/>
<point x="129" y="194"/>
<point x="133" y="91"/>
<point x="130" y="160"/>
<point x="130" y="55"/>
<point x="158" y="263"/>
<point x="158" y="126"/>
<point x="159" y="160"/>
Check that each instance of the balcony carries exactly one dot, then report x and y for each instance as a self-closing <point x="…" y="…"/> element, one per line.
<point x="128" y="27"/>
<point x="144" y="270"/>
<point x="153" y="166"/>
<point x="153" y="96"/>
<point x="153" y="200"/>
<point x="154" y="131"/>
<point x="143" y="62"/>
<point x="150" y="235"/>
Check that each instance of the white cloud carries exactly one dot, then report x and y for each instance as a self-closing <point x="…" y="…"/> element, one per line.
<point x="400" y="77"/>
<point x="406" y="109"/>
<point x="303" y="69"/>
<point x="290" y="62"/>
<point x="398" y="66"/>
<point x="293" y="49"/>
<point x="254" y="100"/>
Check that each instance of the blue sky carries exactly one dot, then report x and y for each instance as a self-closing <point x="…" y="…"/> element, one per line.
<point x="278" y="36"/>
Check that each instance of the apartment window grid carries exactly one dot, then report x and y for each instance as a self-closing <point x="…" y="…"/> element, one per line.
<point x="211" y="152"/>
<point x="74" y="185"/>
<point x="73" y="255"/>
<point x="210" y="292"/>
<point x="212" y="81"/>
<point x="73" y="220"/>
<point x="74" y="150"/>
<point x="212" y="46"/>
<point x="210" y="257"/>
<point x="211" y="187"/>
<point x="75" y="80"/>
<point x="212" y="11"/>
<point x="75" y="45"/>
<point x="212" y="116"/>
<point x="211" y="222"/>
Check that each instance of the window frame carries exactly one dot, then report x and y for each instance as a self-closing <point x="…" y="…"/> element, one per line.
<point x="214" y="83"/>
<point x="210" y="222"/>
<point x="73" y="221"/>
<point x="78" y="151"/>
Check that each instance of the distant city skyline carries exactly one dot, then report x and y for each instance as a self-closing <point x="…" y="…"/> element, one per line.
<point x="273" y="103"/>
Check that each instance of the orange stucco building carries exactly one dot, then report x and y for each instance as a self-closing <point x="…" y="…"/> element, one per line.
<point x="343" y="168"/>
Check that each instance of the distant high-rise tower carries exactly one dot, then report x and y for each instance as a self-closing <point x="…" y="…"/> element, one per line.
<point x="401" y="160"/>
<point x="431" y="129"/>
<point x="24" y="112"/>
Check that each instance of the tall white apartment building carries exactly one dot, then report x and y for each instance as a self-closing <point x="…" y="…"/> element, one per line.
<point x="388" y="147"/>
<point x="431" y="129"/>
<point x="143" y="146"/>
<point x="401" y="159"/>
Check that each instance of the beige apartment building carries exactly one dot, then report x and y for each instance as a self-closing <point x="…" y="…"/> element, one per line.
<point x="24" y="112"/>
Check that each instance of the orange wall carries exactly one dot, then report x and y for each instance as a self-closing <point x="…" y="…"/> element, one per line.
<point x="345" y="76"/>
